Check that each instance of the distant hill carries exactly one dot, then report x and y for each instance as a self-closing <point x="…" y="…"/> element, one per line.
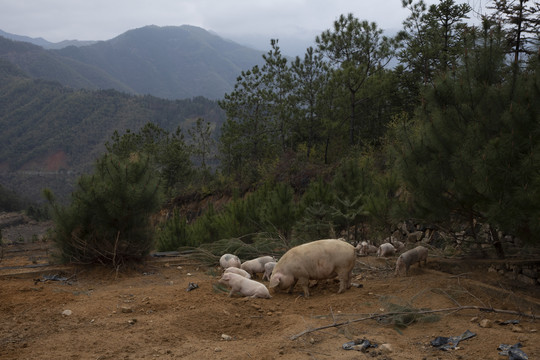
<point x="173" y="62"/>
<point x="44" y="43"/>
<point x="50" y="134"/>
<point x="48" y="65"/>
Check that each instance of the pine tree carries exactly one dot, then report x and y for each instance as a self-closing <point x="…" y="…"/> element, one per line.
<point x="469" y="155"/>
<point x="356" y="51"/>
<point x="108" y="220"/>
<point x="521" y="20"/>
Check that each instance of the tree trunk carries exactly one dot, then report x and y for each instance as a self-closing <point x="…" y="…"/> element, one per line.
<point x="497" y="244"/>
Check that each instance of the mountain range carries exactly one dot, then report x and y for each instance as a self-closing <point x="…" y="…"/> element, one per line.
<point x="59" y="107"/>
<point x="172" y="62"/>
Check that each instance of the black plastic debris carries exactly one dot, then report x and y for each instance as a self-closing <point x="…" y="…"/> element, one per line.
<point x="55" y="277"/>
<point x="192" y="286"/>
<point x="512" y="351"/>
<point x="451" y="343"/>
<point x="359" y="345"/>
<point x="509" y="322"/>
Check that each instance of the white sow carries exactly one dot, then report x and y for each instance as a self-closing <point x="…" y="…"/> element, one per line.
<point x="317" y="260"/>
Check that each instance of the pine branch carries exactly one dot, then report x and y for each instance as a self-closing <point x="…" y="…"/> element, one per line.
<point x="420" y="312"/>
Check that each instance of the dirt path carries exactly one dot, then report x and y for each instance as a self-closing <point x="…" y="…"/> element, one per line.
<point x="147" y="313"/>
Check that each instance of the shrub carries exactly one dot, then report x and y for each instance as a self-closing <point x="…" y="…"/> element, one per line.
<point x="173" y="234"/>
<point x="108" y="219"/>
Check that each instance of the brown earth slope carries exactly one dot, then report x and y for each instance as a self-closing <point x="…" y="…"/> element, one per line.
<point x="147" y="313"/>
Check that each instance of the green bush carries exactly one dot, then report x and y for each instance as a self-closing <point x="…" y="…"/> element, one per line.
<point x="108" y="219"/>
<point x="173" y="234"/>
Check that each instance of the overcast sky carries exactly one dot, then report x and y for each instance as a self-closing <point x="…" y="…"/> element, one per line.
<point x="250" y="22"/>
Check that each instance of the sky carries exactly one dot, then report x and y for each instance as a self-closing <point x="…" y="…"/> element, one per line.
<point x="295" y="23"/>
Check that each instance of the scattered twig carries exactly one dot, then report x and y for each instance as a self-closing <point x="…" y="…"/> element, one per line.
<point x="459" y="275"/>
<point x="454" y="309"/>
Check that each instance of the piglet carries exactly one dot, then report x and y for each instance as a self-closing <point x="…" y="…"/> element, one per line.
<point x="386" y="250"/>
<point x="268" y="268"/>
<point x="238" y="271"/>
<point x="244" y="286"/>
<point x="256" y="265"/>
<point x="229" y="260"/>
<point x="365" y="249"/>
<point x="410" y="257"/>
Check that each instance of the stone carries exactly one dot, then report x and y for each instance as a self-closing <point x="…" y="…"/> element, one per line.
<point x="126" y="309"/>
<point x="517" y="329"/>
<point x="526" y="280"/>
<point x="532" y="273"/>
<point x="67" y="312"/>
<point x="415" y="236"/>
<point x="485" y="323"/>
<point x="386" y="348"/>
<point x="226" y="337"/>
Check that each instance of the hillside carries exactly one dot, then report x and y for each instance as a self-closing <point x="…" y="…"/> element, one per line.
<point x="168" y="62"/>
<point x="50" y="132"/>
<point x="44" y="43"/>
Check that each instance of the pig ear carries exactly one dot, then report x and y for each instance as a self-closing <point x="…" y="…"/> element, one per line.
<point x="274" y="281"/>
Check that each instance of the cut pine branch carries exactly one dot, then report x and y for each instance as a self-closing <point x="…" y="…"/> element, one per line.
<point x="419" y="312"/>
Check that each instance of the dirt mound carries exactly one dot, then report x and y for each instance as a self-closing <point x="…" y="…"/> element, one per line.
<point x="67" y="312"/>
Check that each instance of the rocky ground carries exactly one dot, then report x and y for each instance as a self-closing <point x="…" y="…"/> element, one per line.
<point x="68" y="312"/>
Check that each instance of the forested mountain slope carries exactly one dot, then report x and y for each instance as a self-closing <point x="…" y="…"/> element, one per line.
<point x="174" y="62"/>
<point x="48" y="128"/>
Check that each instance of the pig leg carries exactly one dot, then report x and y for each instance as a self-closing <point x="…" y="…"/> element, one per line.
<point x="304" y="283"/>
<point x="292" y="286"/>
<point x="344" y="281"/>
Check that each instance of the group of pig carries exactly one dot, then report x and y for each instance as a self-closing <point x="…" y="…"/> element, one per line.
<point x="417" y="255"/>
<point x="238" y="275"/>
<point x="317" y="260"/>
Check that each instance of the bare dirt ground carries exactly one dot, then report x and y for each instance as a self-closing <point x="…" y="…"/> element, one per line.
<point x="146" y="313"/>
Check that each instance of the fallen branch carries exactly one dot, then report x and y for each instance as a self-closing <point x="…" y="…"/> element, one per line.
<point x="420" y="312"/>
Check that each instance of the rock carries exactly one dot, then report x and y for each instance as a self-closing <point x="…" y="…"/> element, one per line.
<point x="530" y="272"/>
<point x="517" y="329"/>
<point x="126" y="309"/>
<point x="226" y="337"/>
<point x="386" y="348"/>
<point x="218" y="349"/>
<point x="67" y="312"/>
<point x="485" y="323"/>
<point x="526" y="280"/>
<point x="415" y="236"/>
<point x="474" y="319"/>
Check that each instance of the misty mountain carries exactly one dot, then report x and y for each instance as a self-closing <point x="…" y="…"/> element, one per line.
<point x="44" y="43"/>
<point x="172" y="62"/>
<point x="50" y="134"/>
